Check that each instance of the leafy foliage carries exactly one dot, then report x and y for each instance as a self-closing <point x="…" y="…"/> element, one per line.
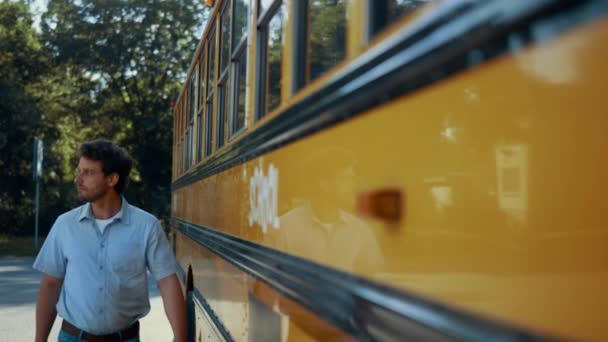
<point x="21" y="60"/>
<point x="137" y="52"/>
<point x="98" y="68"/>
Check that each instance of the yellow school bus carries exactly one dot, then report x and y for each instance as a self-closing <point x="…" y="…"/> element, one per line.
<point x="395" y="170"/>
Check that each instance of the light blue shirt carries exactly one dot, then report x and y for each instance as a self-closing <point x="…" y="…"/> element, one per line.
<point x="105" y="285"/>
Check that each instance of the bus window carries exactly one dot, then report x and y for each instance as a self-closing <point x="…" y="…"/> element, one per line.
<point x="223" y="109"/>
<point x="264" y="5"/>
<point x="241" y="8"/>
<point x="182" y="128"/>
<point x="239" y="57"/>
<point x="191" y="111"/>
<point x="209" y="130"/>
<point x="225" y="36"/>
<point x="224" y="72"/>
<point x="211" y="65"/>
<point x="201" y="102"/>
<point x="186" y="129"/>
<point x="210" y="88"/>
<point x="385" y="12"/>
<point x="177" y="137"/>
<point x="271" y="42"/>
<point x="326" y="36"/>
<point x="173" y="154"/>
<point x="238" y="110"/>
<point x="201" y="80"/>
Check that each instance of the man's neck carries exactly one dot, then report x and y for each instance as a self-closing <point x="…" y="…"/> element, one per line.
<point x="107" y="206"/>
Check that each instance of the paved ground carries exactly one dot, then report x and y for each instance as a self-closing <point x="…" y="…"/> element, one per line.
<point x="18" y="293"/>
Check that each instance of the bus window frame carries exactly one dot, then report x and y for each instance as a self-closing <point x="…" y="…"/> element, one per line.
<point x="211" y="84"/>
<point x="179" y="137"/>
<point x="202" y="65"/>
<point x="299" y="46"/>
<point x="223" y="82"/>
<point x="192" y="116"/>
<point x="241" y="52"/>
<point x="261" y="67"/>
<point x="378" y="20"/>
<point x="236" y="45"/>
<point x="176" y="137"/>
<point x="183" y="135"/>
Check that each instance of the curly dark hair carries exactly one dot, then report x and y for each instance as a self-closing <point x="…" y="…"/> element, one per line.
<point x="112" y="157"/>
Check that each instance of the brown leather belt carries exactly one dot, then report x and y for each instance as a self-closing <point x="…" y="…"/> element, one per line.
<point x="131" y="332"/>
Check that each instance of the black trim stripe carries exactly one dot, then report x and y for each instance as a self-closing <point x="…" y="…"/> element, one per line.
<point x="195" y="297"/>
<point x="362" y="308"/>
<point x="456" y="37"/>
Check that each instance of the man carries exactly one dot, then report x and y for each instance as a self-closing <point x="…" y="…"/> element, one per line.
<point x="96" y="256"/>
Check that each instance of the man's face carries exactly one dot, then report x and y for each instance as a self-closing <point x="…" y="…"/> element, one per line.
<point x="90" y="181"/>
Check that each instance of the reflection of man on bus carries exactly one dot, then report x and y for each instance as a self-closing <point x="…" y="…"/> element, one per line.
<point x="96" y="257"/>
<point x="321" y="225"/>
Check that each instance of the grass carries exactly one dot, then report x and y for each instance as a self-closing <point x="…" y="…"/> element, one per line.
<point x="19" y="245"/>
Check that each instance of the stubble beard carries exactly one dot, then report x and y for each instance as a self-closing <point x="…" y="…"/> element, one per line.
<point x="92" y="197"/>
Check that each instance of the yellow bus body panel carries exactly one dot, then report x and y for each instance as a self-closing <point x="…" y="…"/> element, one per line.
<point x="227" y="290"/>
<point x="503" y="169"/>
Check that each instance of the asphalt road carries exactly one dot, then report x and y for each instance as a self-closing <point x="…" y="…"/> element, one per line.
<point x="18" y="293"/>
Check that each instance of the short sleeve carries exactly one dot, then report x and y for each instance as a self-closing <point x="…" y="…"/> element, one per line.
<point x="51" y="258"/>
<point x="159" y="257"/>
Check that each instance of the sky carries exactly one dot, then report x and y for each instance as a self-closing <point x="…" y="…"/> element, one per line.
<point x="36" y="8"/>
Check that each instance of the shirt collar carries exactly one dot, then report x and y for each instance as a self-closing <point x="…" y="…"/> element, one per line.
<point x="122" y="215"/>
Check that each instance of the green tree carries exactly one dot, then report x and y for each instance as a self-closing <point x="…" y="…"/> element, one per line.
<point x="136" y="53"/>
<point x="98" y="68"/>
<point x="37" y="99"/>
<point x="21" y="61"/>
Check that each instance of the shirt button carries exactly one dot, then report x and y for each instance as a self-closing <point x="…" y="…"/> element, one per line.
<point x="102" y="245"/>
<point x="101" y="267"/>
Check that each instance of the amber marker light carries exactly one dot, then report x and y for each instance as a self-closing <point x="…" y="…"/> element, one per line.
<point x="384" y="204"/>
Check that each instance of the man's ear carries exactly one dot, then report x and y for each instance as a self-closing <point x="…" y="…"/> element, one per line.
<point x="113" y="179"/>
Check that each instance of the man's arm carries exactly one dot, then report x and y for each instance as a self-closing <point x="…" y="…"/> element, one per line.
<point x="175" y="308"/>
<point x="50" y="288"/>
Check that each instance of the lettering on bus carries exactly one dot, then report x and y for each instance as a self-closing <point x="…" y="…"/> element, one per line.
<point x="263" y="197"/>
